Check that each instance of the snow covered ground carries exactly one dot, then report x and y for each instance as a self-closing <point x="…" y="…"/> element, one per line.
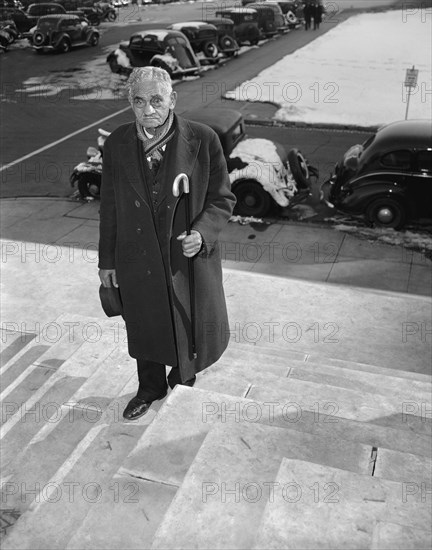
<point x="354" y="74"/>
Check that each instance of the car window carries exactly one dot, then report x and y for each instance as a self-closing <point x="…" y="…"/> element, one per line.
<point x="424" y="161"/>
<point x="397" y="159"/>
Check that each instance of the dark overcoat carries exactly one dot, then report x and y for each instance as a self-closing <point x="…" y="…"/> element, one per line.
<point x="151" y="270"/>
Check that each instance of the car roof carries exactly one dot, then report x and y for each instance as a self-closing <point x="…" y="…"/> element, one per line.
<point x="405" y="133"/>
<point x="236" y="10"/>
<point x="57" y="16"/>
<point x="159" y="33"/>
<point x="198" y="24"/>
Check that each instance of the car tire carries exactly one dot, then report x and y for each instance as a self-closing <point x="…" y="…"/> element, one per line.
<point x="252" y="199"/>
<point x="94" y="40"/>
<point x="112" y="16"/>
<point x="38" y="38"/>
<point x="210" y="49"/>
<point x="89" y="185"/>
<point x="299" y="168"/>
<point x="64" y="46"/>
<point x="227" y="42"/>
<point x="386" y="212"/>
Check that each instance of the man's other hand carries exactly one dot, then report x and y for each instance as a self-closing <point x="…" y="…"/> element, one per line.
<point x="108" y="277"/>
<point x="191" y="244"/>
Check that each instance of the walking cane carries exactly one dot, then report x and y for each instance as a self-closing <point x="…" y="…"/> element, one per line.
<point x="176" y="192"/>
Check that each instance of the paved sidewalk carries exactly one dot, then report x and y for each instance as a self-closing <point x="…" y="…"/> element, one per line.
<point x="310" y="252"/>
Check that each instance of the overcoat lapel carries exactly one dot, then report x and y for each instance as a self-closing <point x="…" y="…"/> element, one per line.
<point x="128" y="152"/>
<point x="180" y="157"/>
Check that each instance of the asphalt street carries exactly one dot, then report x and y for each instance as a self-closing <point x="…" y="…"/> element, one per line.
<point x="55" y="123"/>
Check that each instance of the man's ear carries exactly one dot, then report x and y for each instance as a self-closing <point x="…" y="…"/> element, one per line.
<point x="173" y="99"/>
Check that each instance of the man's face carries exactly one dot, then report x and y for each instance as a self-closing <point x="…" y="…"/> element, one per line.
<point x="151" y="103"/>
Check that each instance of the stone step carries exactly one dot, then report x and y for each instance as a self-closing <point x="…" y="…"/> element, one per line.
<point x="19" y="345"/>
<point x="243" y="380"/>
<point x="405" y="467"/>
<point x="127" y="515"/>
<point x="67" y="491"/>
<point x="12" y="342"/>
<point x="391" y="536"/>
<point x="403" y="389"/>
<point x="317" y="506"/>
<point x="50" y="402"/>
<point x="292" y="367"/>
<point x="276" y="350"/>
<point x="226" y="487"/>
<point x="340" y="402"/>
<point x="196" y="411"/>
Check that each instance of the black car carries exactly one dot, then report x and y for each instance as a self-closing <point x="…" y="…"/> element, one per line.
<point x="245" y="20"/>
<point x="388" y="178"/>
<point x="226" y="37"/>
<point x="22" y="22"/>
<point x="202" y="36"/>
<point x="63" y="32"/>
<point x="163" y="48"/>
<point x="263" y="174"/>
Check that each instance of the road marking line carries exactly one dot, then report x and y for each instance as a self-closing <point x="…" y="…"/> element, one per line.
<point x="54" y="143"/>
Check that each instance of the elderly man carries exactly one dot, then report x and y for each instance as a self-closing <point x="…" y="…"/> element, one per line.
<point x="144" y="249"/>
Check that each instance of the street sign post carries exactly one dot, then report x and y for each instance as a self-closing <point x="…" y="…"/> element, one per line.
<point x="410" y="82"/>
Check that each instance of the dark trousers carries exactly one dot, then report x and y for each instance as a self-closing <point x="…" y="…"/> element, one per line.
<point x="152" y="379"/>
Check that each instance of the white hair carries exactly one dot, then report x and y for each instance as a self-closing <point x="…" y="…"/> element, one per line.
<point x="140" y="74"/>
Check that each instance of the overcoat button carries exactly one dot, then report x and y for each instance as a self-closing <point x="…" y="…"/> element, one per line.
<point x="148" y="272"/>
<point x="137" y="204"/>
<point x="139" y="230"/>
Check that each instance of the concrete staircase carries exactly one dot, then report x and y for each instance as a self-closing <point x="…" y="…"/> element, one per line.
<point x="272" y="448"/>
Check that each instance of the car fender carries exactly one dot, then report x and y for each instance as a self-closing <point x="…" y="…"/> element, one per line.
<point x="90" y="33"/>
<point x="167" y="58"/>
<point x="121" y="57"/>
<point x="358" y="199"/>
<point x="58" y="39"/>
<point x="258" y="160"/>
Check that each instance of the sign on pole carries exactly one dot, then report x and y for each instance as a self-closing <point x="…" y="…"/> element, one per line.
<point x="410" y="82"/>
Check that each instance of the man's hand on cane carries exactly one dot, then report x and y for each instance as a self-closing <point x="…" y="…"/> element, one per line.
<point x="191" y="244"/>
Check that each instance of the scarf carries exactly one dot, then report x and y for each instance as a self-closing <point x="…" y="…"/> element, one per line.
<point x="153" y="146"/>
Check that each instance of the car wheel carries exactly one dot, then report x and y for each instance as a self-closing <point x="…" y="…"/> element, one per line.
<point x="252" y="199"/>
<point x="210" y="49"/>
<point x="112" y="16"/>
<point x="227" y="42"/>
<point x="299" y="168"/>
<point x="386" y="212"/>
<point x="94" y="39"/>
<point x="64" y="46"/>
<point x="38" y="38"/>
<point x="89" y="185"/>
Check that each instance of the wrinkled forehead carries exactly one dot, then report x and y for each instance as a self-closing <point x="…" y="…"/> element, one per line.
<point x="146" y="89"/>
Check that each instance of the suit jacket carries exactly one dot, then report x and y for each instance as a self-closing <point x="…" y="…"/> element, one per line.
<point x="156" y="305"/>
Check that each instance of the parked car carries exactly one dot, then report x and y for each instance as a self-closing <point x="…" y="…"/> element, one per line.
<point x="388" y="178"/>
<point x="22" y="22"/>
<point x="202" y="36"/>
<point x="63" y="32"/>
<point x="35" y="11"/>
<point x="245" y="20"/>
<point x="8" y="34"/>
<point x="292" y="11"/>
<point x="164" y="48"/>
<point x="226" y="38"/>
<point x="262" y="173"/>
<point x="268" y="21"/>
<point x="107" y="11"/>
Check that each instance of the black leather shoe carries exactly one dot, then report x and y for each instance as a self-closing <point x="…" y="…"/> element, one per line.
<point x="137" y="407"/>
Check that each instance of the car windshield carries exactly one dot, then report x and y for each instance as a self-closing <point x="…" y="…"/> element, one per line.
<point x="46" y="24"/>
